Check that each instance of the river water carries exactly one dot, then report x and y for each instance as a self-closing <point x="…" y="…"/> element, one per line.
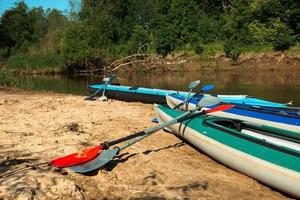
<point x="278" y="86"/>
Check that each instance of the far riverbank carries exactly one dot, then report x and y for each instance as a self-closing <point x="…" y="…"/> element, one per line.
<point x="270" y="61"/>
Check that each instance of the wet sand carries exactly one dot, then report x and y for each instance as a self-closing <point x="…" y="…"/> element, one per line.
<point x="36" y="127"/>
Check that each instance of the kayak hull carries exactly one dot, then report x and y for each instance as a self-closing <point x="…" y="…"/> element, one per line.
<point x="272" y="174"/>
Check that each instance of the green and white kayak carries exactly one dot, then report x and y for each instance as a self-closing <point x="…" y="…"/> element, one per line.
<point x="267" y="154"/>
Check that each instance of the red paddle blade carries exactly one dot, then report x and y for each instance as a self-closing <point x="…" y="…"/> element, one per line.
<point x="77" y="158"/>
<point x="219" y="108"/>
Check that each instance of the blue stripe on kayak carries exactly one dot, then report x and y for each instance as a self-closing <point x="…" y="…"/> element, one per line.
<point x="254" y="114"/>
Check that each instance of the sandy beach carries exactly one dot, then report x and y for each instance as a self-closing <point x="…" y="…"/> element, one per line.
<point x="36" y="127"/>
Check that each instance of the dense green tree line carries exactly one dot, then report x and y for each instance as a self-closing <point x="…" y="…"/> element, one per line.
<point x="103" y="30"/>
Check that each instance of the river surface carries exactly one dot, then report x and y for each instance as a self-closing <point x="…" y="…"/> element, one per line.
<point x="278" y="86"/>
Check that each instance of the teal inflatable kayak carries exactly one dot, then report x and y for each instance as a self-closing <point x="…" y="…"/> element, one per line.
<point x="152" y="95"/>
<point x="267" y="154"/>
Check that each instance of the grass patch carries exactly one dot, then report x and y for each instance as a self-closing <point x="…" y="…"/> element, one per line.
<point x="294" y="50"/>
<point x="37" y="62"/>
<point x="212" y="49"/>
<point x="257" y="48"/>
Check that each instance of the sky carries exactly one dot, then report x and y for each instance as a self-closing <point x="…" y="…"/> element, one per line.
<point x="58" y="4"/>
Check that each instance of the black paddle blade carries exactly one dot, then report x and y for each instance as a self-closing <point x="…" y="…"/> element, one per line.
<point x="103" y="158"/>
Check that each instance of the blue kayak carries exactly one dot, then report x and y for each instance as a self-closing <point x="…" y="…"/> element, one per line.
<point x="283" y="118"/>
<point x="152" y="95"/>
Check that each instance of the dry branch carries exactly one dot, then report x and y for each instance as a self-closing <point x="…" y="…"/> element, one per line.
<point x="128" y="63"/>
<point x="124" y="59"/>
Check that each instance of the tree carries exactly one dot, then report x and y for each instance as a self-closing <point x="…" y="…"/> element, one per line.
<point x="14" y="25"/>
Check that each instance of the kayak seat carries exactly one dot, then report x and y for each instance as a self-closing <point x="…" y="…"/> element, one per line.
<point x="236" y="125"/>
<point x="137" y="87"/>
<point x="133" y="88"/>
<point x="198" y="96"/>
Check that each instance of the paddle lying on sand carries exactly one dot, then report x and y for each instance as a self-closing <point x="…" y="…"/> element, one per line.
<point x="90" y="153"/>
<point x="107" y="155"/>
<point x="106" y="80"/>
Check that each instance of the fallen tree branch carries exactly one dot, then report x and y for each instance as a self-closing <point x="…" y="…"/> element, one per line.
<point x="126" y="58"/>
<point x="128" y="63"/>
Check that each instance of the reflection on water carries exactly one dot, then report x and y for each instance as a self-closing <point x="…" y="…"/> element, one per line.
<point x="279" y="86"/>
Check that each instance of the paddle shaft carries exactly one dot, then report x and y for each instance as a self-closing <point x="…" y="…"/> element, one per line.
<point x="187" y="100"/>
<point x="99" y="90"/>
<point x="204" y="102"/>
<point x="143" y="134"/>
<point x="106" y="145"/>
<point x="105" y="86"/>
<point x="140" y="133"/>
<point x="107" y="155"/>
<point x="150" y="131"/>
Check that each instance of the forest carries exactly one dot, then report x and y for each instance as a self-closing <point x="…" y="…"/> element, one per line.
<point x="96" y="32"/>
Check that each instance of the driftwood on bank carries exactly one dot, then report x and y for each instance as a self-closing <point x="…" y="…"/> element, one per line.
<point x="144" y="61"/>
<point x="128" y="60"/>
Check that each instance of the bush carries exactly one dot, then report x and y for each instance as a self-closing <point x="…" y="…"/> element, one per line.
<point x="4" y="53"/>
<point x="283" y="42"/>
<point x="212" y="49"/>
<point x="232" y="49"/>
<point x="285" y="36"/>
<point x="165" y="42"/>
<point x="139" y="39"/>
<point x="197" y="47"/>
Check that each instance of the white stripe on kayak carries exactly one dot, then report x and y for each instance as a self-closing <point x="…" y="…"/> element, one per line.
<point x="273" y="140"/>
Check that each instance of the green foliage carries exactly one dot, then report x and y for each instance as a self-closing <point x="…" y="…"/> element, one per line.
<point x="29" y="38"/>
<point x="295" y="50"/>
<point x="232" y="49"/>
<point x="165" y="43"/>
<point x="260" y="33"/>
<point x="283" y="42"/>
<point x="97" y="31"/>
<point x="284" y="37"/>
<point x="9" y="81"/>
<point x="257" y="48"/>
<point x="4" y="53"/>
<point x="212" y="49"/>
<point x="198" y="47"/>
<point x="139" y="40"/>
<point x="75" y="43"/>
<point x="34" y="62"/>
